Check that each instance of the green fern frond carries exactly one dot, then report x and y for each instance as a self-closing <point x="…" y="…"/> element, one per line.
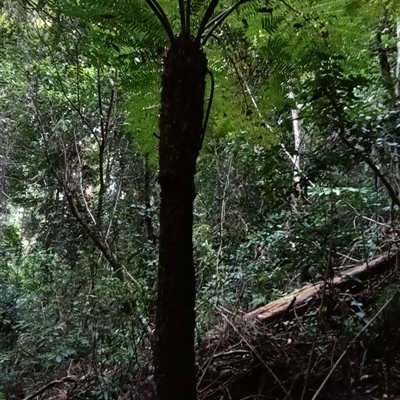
<point x="271" y="23"/>
<point x="253" y="8"/>
<point x="132" y="42"/>
<point x="142" y="121"/>
<point x="139" y="25"/>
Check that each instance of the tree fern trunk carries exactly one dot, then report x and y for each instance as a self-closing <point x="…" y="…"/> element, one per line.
<point x="181" y="119"/>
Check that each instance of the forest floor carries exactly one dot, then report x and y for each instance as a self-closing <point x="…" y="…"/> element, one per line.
<point x="344" y="345"/>
<point x="330" y="340"/>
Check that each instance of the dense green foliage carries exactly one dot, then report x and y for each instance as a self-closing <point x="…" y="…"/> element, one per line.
<point x="79" y="195"/>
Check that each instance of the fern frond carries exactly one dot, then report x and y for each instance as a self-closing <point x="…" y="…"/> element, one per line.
<point x="271" y="23"/>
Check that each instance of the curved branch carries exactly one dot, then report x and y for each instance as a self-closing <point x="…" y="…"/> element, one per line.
<point x="342" y="134"/>
<point x="392" y="194"/>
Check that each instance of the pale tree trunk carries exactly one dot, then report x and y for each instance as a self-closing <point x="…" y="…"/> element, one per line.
<point x="297" y="143"/>
<point x="253" y="100"/>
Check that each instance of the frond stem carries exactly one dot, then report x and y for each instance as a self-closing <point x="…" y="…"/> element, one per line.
<point x="210" y="101"/>
<point x="188" y="17"/>
<point x="182" y="15"/>
<point x="162" y="17"/>
<point x="207" y="15"/>
<point x="219" y="19"/>
<point x="290" y="7"/>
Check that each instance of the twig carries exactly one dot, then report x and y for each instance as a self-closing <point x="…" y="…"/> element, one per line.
<point x="81" y="182"/>
<point x="344" y="255"/>
<point x="207" y="365"/>
<point x="318" y="392"/>
<point x="50" y="385"/>
<point x="258" y="356"/>
<point x="222" y="220"/>
<point x="366" y="218"/>
<point x="113" y="212"/>
<point x="102" y="148"/>
<point x="289" y="307"/>
<point x="328" y="271"/>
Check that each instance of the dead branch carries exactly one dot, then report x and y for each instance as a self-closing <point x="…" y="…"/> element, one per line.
<point x="287" y="308"/>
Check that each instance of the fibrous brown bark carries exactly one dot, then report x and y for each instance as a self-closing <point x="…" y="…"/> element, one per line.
<point x="181" y="120"/>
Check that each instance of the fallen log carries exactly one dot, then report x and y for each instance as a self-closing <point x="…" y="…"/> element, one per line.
<point x="297" y="302"/>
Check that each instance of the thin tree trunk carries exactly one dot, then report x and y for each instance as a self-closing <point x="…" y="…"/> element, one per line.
<point x="397" y="92"/>
<point x="397" y="87"/>
<point x="297" y="141"/>
<point x="385" y="67"/>
<point x="148" y="221"/>
<point x="301" y="191"/>
<point x="181" y="120"/>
